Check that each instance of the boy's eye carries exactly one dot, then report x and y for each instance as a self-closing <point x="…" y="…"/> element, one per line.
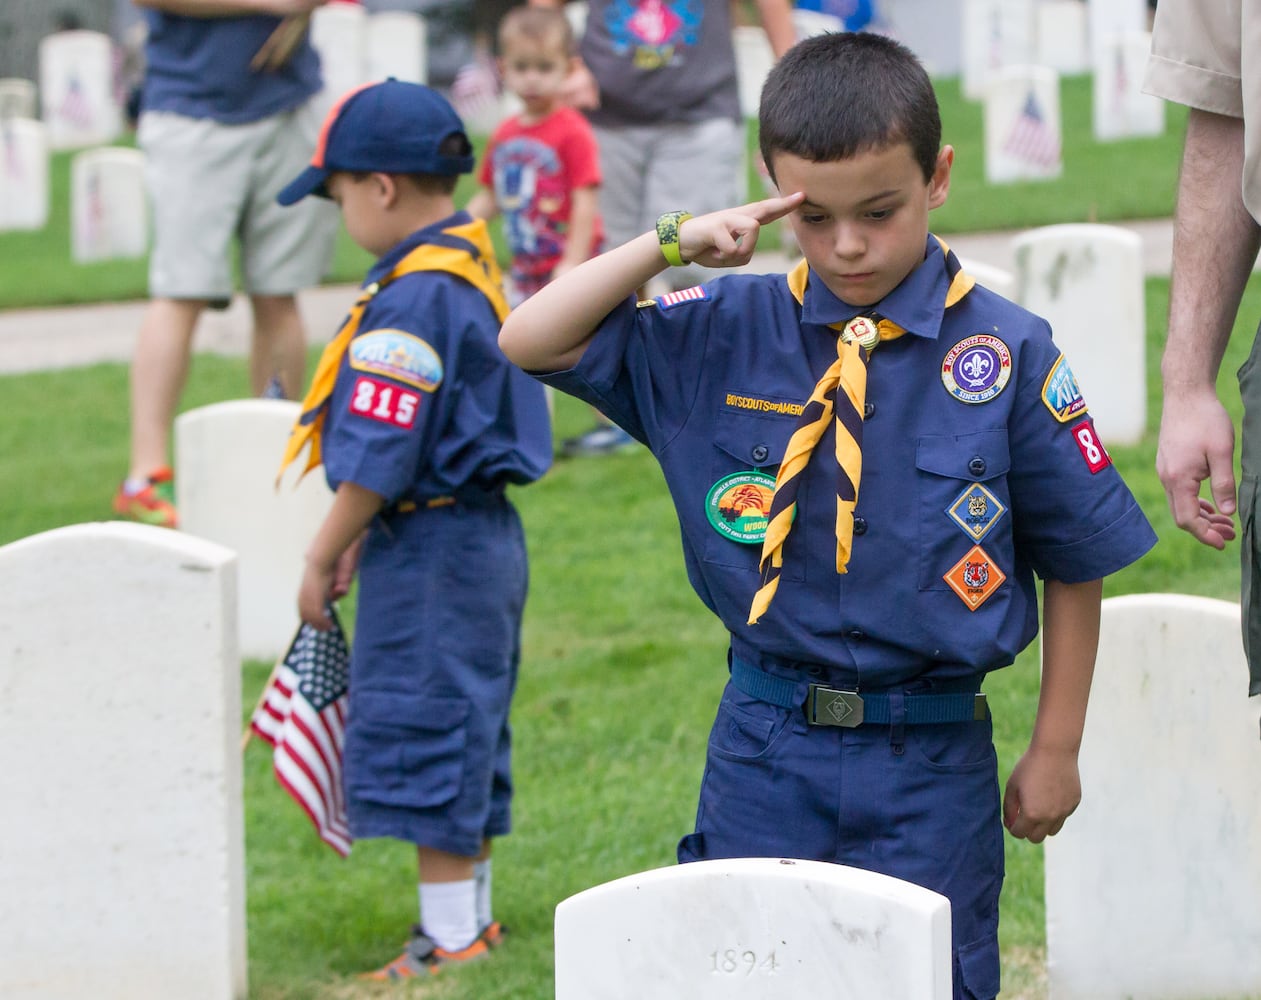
<point x="880" y="213"/>
<point x="812" y="218"/>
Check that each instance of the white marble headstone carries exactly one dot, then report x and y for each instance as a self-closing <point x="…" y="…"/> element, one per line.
<point x="108" y="207"/>
<point x="996" y="279"/>
<point x="1086" y="280"/>
<point x="24" y="198"/>
<point x="1114" y="17"/>
<point x="395" y="41"/>
<point x="1060" y="34"/>
<point x="754" y="59"/>
<point x="1022" y="125"/>
<point x="122" y="853"/>
<point x="996" y="34"/>
<point x="339" y="34"/>
<point x="1120" y="107"/>
<point x="18" y="98"/>
<point x="76" y="88"/>
<point x="1152" y="887"/>
<point x="226" y="459"/>
<point x="755" y="928"/>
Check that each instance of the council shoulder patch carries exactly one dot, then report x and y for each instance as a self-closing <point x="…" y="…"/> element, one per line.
<point x="398" y="355"/>
<point x="976" y="369"/>
<point x="739" y="506"/>
<point x="696" y="293"/>
<point x="1061" y="393"/>
<point x="975" y="578"/>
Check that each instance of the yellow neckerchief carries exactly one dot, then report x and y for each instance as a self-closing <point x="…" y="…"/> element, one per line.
<point x="960" y="282"/>
<point x="469" y="256"/>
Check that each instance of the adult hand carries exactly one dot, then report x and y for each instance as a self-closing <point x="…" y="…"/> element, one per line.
<point x="580" y="89"/>
<point x="728" y="238"/>
<point x="1197" y="442"/>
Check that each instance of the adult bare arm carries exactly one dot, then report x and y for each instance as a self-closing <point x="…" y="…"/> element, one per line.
<point x="1215" y="246"/>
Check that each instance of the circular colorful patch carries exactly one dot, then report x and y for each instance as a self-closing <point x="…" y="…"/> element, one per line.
<point x="739" y="506"/>
<point x="976" y="369"/>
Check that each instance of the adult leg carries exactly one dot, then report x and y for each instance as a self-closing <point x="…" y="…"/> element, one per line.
<point x="159" y="369"/>
<point x="278" y="346"/>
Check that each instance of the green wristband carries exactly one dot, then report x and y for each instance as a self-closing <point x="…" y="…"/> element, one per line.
<point x="668" y="236"/>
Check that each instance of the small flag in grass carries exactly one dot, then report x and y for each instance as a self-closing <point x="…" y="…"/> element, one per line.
<point x="303" y="716"/>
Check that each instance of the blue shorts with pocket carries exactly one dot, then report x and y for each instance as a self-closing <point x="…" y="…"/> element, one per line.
<point x="920" y="804"/>
<point x="433" y="670"/>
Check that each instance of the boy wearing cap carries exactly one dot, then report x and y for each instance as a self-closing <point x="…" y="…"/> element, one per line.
<point x="420" y="423"/>
<point x="872" y="459"/>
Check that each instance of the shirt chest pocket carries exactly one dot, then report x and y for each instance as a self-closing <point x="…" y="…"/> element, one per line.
<point x="962" y="500"/>
<point x="741" y="480"/>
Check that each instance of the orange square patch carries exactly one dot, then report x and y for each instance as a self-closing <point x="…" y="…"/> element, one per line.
<point x="975" y="577"/>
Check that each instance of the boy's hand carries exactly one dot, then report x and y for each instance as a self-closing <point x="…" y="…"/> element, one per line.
<point x="314" y="593"/>
<point x="1042" y="792"/>
<point x="729" y="237"/>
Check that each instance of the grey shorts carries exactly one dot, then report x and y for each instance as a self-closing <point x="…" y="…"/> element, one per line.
<point x="211" y="185"/>
<point x="649" y="169"/>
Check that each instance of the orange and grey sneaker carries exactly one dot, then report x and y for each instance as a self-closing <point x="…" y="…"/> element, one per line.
<point x="422" y="958"/>
<point x="493" y="934"/>
<point x="153" y="504"/>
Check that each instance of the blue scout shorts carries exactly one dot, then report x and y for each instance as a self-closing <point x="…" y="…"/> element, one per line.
<point x="432" y="672"/>
<point x="920" y="803"/>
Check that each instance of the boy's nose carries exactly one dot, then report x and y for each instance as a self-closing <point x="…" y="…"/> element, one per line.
<point x="849" y="242"/>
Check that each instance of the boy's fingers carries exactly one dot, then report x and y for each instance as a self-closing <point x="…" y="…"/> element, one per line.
<point x="770" y="209"/>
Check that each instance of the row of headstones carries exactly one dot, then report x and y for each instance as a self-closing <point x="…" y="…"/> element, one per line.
<point x="120" y="744"/>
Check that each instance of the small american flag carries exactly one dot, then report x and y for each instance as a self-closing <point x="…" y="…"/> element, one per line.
<point x="696" y="293"/>
<point x="1031" y="139"/>
<point x="303" y="717"/>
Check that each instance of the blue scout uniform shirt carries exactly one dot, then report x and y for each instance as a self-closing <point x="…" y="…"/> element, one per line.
<point x="425" y="404"/>
<point x="955" y="456"/>
<point x="199" y="67"/>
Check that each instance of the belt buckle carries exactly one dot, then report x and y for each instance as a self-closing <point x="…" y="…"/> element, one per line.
<point x="828" y="707"/>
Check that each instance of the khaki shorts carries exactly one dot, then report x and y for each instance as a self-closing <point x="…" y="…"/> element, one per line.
<point x="1249" y="515"/>
<point x="695" y="167"/>
<point x="213" y="185"/>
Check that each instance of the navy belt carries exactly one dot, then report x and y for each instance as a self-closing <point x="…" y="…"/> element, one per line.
<point x="825" y="706"/>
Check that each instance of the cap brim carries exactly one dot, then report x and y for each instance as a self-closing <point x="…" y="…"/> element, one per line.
<point x="310" y="181"/>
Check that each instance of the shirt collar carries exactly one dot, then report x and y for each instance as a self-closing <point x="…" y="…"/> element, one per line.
<point x="917" y="304"/>
<point x="385" y="264"/>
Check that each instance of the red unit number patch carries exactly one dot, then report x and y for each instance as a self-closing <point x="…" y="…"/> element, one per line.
<point x="1091" y="448"/>
<point x="384" y="401"/>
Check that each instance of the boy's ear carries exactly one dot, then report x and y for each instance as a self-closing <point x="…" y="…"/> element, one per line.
<point x="385" y="187"/>
<point x="939" y="183"/>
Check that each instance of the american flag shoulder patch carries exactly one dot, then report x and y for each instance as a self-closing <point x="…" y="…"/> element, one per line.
<point x="696" y="293"/>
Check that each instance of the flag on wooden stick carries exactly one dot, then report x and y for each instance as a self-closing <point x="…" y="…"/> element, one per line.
<point x="302" y="714"/>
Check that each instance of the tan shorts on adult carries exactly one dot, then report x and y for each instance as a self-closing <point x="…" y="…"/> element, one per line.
<point x="211" y="183"/>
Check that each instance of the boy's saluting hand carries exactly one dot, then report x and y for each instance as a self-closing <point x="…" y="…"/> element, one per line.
<point x="729" y="237"/>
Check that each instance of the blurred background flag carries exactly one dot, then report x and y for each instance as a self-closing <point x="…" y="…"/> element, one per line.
<point x="1032" y="138"/>
<point x="302" y="714"/>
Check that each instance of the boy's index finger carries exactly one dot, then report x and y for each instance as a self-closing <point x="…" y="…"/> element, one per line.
<point x="770" y="209"/>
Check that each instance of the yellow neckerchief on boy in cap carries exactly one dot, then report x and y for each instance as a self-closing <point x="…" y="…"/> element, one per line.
<point x="837" y="399"/>
<point x="469" y="256"/>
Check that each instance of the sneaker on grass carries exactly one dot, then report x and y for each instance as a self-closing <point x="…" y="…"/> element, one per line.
<point x="153" y="503"/>
<point x="422" y="957"/>
<point x="601" y="440"/>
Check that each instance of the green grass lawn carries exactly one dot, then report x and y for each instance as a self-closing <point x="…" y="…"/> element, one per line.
<point x="622" y="671"/>
<point x="1102" y="182"/>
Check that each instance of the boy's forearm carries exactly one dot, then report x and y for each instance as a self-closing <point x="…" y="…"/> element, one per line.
<point x="551" y="329"/>
<point x="777" y="22"/>
<point x="482" y="205"/>
<point x="1070" y="641"/>
<point x="582" y="216"/>
<point x="353" y="509"/>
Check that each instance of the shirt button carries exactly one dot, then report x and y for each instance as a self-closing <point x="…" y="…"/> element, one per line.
<point x="977" y="466"/>
<point x="856" y="634"/>
<point x="868" y="410"/>
<point x="761" y="453"/>
<point x="860" y="526"/>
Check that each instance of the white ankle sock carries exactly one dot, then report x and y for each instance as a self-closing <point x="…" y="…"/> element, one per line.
<point x="481" y="875"/>
<point x="448" y="913"/>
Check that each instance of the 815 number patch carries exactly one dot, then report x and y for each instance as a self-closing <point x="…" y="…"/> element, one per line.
<point x="1092" y="450"/>
<point x="385" y="402"/>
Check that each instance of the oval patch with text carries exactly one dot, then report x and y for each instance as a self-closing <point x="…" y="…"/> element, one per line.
<point x="739" y="506"/>
<point x="1061" y="393"/>
<point x="398" y="355"/>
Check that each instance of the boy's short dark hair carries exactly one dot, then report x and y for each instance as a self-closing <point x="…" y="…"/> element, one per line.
<point x="537" y="24"/>
<point x="833" y="96"/>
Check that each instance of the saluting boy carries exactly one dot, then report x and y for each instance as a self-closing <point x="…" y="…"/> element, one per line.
<point x="421" y="423"/>
<point x="872" y="459"/>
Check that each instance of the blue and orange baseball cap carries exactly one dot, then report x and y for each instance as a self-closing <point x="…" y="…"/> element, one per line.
<point x="389" y="127"/>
